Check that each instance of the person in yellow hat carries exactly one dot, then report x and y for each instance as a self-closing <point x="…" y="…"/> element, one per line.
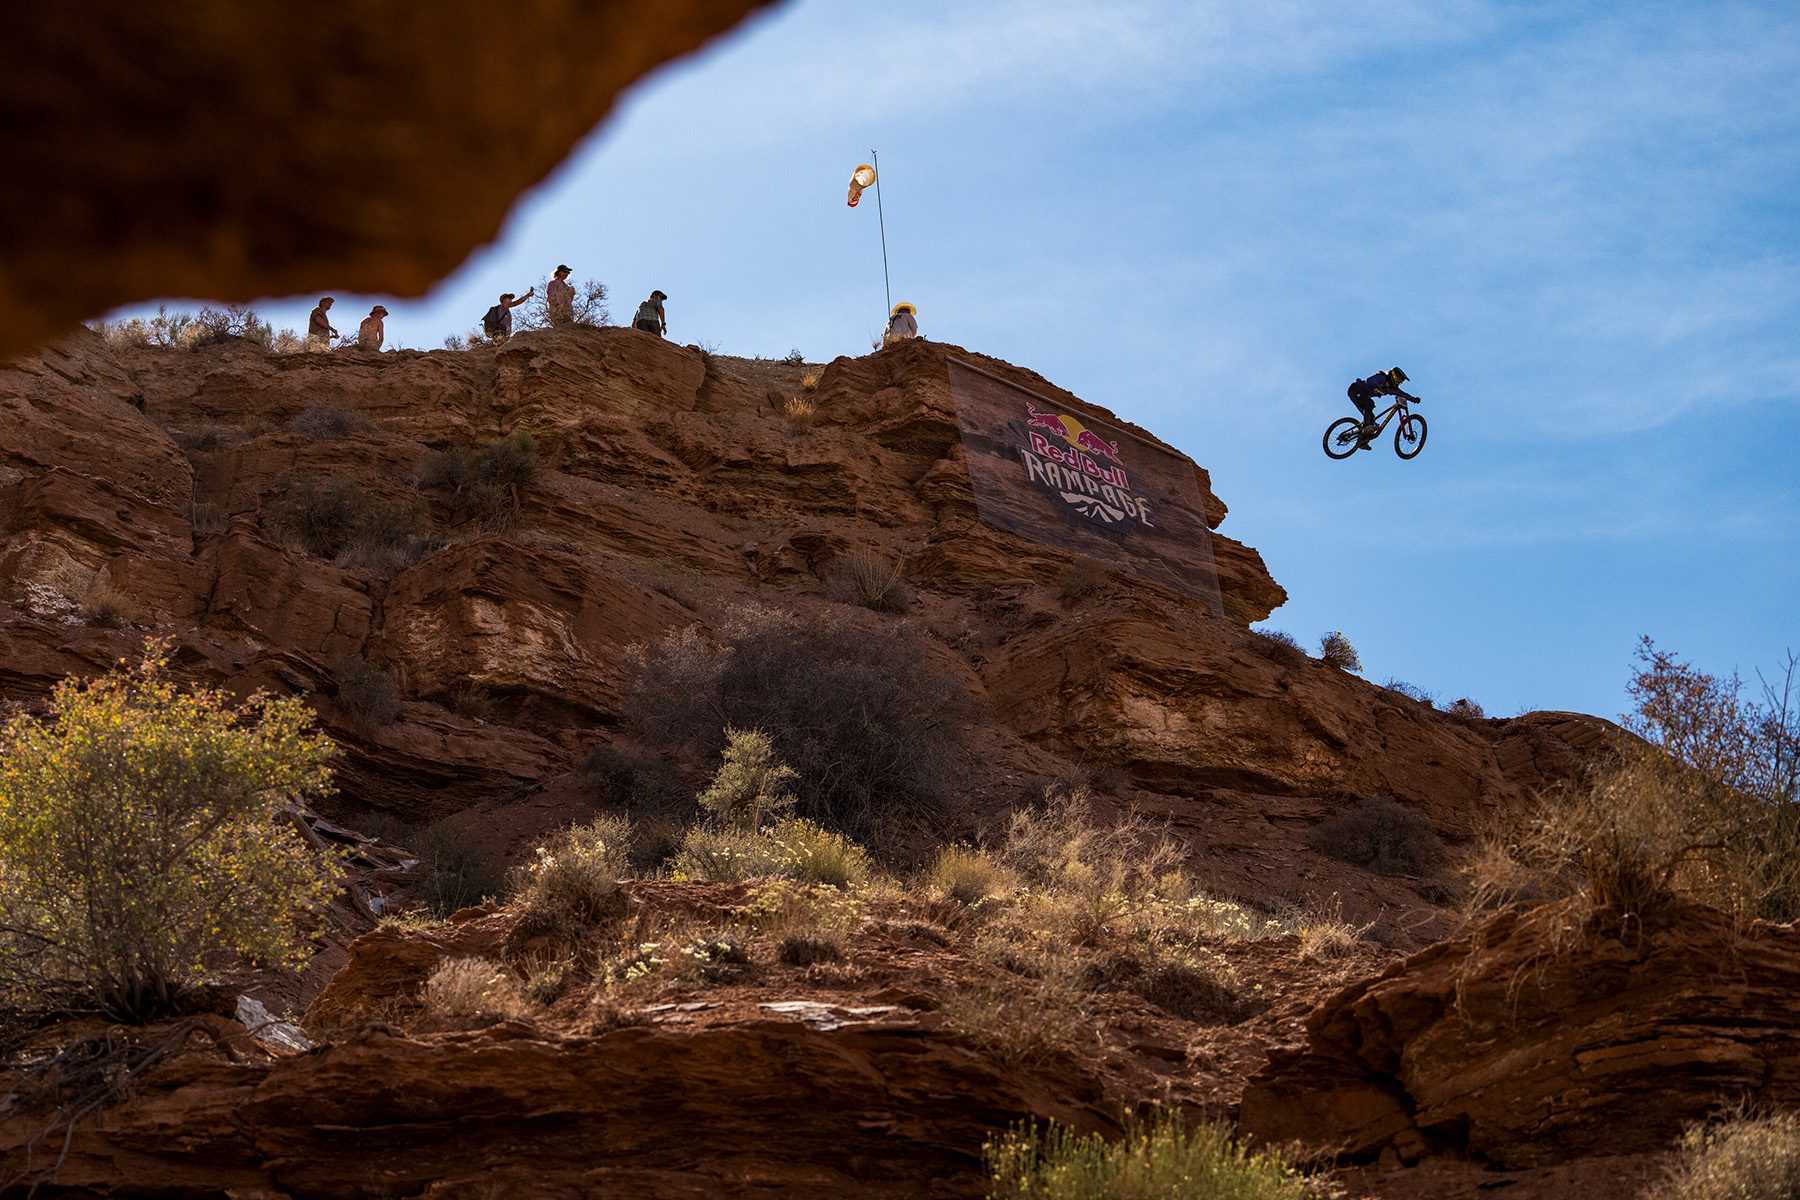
<point x="903" y="323"/>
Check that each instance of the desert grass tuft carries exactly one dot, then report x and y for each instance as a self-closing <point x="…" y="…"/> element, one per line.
<point x="473" y="989"/>
<point x="1159" y="1158"/>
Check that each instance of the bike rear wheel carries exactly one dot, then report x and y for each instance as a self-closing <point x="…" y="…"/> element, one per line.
<point x="1342" y="436"/>
<point x="1409" y="436"/>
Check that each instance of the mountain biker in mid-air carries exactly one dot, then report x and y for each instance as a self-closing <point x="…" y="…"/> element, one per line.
<point x="1363" y="393"/>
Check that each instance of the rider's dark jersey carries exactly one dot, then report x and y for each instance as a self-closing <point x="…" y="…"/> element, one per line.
<point x="1378" y="384"/>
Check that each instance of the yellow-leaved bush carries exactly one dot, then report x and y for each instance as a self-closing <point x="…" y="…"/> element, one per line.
<point x="142" y="830"/>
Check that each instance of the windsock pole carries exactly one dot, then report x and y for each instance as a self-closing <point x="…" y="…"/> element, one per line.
<point x="882" y="218"/>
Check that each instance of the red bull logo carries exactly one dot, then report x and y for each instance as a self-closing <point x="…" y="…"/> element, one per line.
<point x="1079" y="444"/>
<point x="1080" y="467"/>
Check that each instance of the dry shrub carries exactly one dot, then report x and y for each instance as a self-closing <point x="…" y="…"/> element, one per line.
<point x="1201" y="988"/>
<point x="815" y="913"/>
<point x="472" y="989"/>
<point x="1278" y="647"/>
<point x="968" y="875"/>
<point x="1428" y="699"/>
<point x="678" y="581"/>
<point x="327" y="422"/>
<point x="367" y="694"/>
<point x="1380" y="835"/>
<point x="1700" y="810"/>
<point x="714" y="854"/>
<point x="1466" y="709"/>
<point x="1336" y="650"/>
<point x="606" y="1013"/>
<point x="1018" y="1023"/>
<point x="643" y="783"/>
<point x="1195" y="985"/>
<point x="569" y="886"/>
<point x="865" y="715"/>
<point x="336" y="518"/>
<point x="482" y="484"/>
<point x="810" y="381"/>
<point x="470" y="699"/>
<point x="801" y="950"/>
<point x="106" y="608"/>
<point x="1159" y="1158"/>
<point x="1325" y="935"/>
<point x="206" y="437"/>
<point x="800" y="412"/>
<point x="204" y="517"/>
<point x="1749" y="1158"/>
<point x="547" y="982"/>
<point x="872" y="580"/>
<point x="462" y="872"/>
<point x="1080" y="579"/>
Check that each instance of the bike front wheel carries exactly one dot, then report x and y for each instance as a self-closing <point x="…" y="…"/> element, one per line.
<point x="1409" y="436"/>
<point x="1342" y="436"/>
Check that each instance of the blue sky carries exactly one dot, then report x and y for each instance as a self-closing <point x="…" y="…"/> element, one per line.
<point x="1574" y="225"/>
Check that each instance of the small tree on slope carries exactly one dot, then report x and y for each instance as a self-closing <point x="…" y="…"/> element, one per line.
<point x="142" y="830"/>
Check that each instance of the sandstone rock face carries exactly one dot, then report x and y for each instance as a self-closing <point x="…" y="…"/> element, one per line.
<point x="670" y="488"/>
<point x="205" y="148"/>
<point x="1503" y="1047"/>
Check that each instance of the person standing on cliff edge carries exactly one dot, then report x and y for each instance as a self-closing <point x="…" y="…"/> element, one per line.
<point x="497" y="321"/>
<point x="559" y="298"/>
<point x="650" y="316"/>
<point x="318" y="326"/>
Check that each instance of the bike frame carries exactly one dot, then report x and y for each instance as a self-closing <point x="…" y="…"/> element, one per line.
<point x="1401" y="400"/>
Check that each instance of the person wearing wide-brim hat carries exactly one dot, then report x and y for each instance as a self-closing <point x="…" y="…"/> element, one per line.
<point x="650" y="315"/>
<point x="371" y="333"/>
<point x="903" y="323"/>
<point x="559" y="297"/>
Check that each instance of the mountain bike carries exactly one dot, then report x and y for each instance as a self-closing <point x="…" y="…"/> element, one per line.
<point x="1345" y="433"/>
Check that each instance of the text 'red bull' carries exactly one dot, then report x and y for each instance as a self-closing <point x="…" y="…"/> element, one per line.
<point x="1079" y="461"/>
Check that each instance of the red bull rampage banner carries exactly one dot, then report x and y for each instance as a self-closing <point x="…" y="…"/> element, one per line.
<point x="1064" y="479"/>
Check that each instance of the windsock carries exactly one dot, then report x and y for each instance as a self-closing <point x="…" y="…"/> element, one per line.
<point x="860" y="178"/>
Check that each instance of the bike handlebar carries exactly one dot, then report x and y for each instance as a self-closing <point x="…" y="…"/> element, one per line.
<point x="1407" y="398"/>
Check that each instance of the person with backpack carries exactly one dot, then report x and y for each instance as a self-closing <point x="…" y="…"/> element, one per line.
<point x="650" y="316"/>
<point x="1363" y="392"/>
<point x="318" y="326"/>
<point x="497" y="323"/>
<point x="559" y="298"/>
<point x="903" y="323"/>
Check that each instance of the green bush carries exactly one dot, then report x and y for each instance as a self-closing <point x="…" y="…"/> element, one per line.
<point x="1380" y="835"/>
<point x="1746" y="1159"/>
<point x="750" y="784"/>
<point x="1335" y="649"/>
<point x="143" y="829"/>
<point x="568" y="886"/>
<point x="815" y="855"/>
<point x="790" y="849"/>
<point x="728" y="855"/>
<point x="863" y="712"/>
<point x="1157" y="1159"/>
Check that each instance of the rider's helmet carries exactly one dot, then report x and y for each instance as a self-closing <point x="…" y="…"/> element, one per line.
<point x="1398" y="376"/>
